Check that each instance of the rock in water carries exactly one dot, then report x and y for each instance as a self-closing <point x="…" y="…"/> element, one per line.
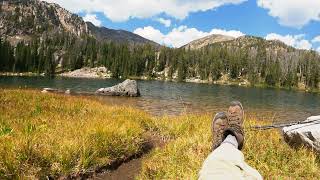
<point x="126" y="88"/>
<point x="46" y="90"/>
<point x="68" y="91"/>
<point x="307" y="134"/>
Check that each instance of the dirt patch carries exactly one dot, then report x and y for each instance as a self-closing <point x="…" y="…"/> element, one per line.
<point x="131" y="168"/>
<point x="127" y="171"/>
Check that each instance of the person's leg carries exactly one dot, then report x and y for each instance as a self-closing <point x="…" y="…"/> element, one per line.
<point x="227" y="161"/>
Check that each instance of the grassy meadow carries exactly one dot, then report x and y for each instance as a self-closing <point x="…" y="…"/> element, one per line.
<point x="49" y="134"/>
<point x="190" y="141"/>
<point x="56" y="135"/>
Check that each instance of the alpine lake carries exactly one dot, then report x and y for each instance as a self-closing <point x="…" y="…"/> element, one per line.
<point x="161" y="98"/>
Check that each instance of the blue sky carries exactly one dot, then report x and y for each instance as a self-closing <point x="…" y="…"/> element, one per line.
<point x="177" y="22"/>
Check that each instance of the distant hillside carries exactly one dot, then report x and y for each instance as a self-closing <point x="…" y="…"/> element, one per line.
<point x="25" y="19"/>
<point x="255" y="42"/>
<point x="45" y="38"/>
<point x="243" y="41"/>
<point x="120" y="36"/>
<point x="41" y="37"/>
<point x="200" y="43"/>
<point x="246" y="60"/>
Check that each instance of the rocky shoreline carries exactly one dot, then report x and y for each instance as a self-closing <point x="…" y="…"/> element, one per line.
<point x="86" y="72"/>
<point x="104" y="73"/>
<point x="128" y="88"/>
<point x="21" y="74"/>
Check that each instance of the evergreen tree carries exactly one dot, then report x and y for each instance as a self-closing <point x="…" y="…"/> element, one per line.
<point x="50" y="65"/>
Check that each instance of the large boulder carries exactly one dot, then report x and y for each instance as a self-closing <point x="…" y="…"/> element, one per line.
<point x="126" y="88"/>
<point x="306" y="134"/>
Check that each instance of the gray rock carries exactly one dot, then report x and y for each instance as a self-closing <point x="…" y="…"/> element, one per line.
<point x="307" y="134"/>
<point x="68" y="91"/>
<point x="126" y="88"/>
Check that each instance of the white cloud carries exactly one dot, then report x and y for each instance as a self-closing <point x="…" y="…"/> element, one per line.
<point x="165" y="22"/>
<point x="296" y="41"/>
<point x="293" y="13"/>
<point x="150" y="33"/>
<point x="93" y="19"/>
<point x="181" y="35"/>
<point x="316" y="39"/>
<point x="318" y="49"/>
<point x="122" y="10"/>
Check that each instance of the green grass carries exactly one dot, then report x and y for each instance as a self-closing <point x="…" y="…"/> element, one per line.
<point x="55" y="135"/>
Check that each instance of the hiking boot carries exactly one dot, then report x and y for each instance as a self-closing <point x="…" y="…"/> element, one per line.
<point x="219" y="125"/>
<point x="235" y="116"/>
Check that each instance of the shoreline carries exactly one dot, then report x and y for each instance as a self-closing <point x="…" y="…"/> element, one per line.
<point x="237" y="83"/>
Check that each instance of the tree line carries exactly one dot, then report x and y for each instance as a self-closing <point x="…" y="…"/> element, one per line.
<point x="259" y="62"/>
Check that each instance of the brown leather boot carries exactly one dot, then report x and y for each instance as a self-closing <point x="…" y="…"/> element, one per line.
<point x="235" y="117"/>
<point x="219" y="125"/>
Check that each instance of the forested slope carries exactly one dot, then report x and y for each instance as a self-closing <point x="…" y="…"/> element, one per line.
<point x="63" y="42"/>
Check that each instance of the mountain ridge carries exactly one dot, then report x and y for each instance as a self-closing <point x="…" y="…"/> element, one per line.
<point x="207" y="40"/>
<point x="24" y="19"/>
<point x="224" y="39"/>
<point x="120" y="36"/>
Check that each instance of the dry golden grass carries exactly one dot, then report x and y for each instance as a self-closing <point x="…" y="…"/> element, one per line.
<point x="190" y="142"/>
<point x="47" y="134"/>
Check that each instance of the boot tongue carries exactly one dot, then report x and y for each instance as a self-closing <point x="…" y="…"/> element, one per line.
<point x="235" y="109"/>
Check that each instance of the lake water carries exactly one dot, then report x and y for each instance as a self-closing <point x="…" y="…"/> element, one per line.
<point x="170" y="98"/>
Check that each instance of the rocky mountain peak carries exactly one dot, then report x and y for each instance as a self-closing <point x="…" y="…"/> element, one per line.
<point x="20" y="18"/>
<point x="26" y="19"/>
<point x="202" y="42"/>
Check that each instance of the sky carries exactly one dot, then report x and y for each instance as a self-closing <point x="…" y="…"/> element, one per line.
<point x="175" y="23"/>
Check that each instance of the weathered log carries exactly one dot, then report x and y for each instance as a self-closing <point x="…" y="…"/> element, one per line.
<point x="306" y="134"/>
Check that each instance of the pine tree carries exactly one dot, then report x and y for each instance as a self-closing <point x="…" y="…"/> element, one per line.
<point x="50" y="65"/>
